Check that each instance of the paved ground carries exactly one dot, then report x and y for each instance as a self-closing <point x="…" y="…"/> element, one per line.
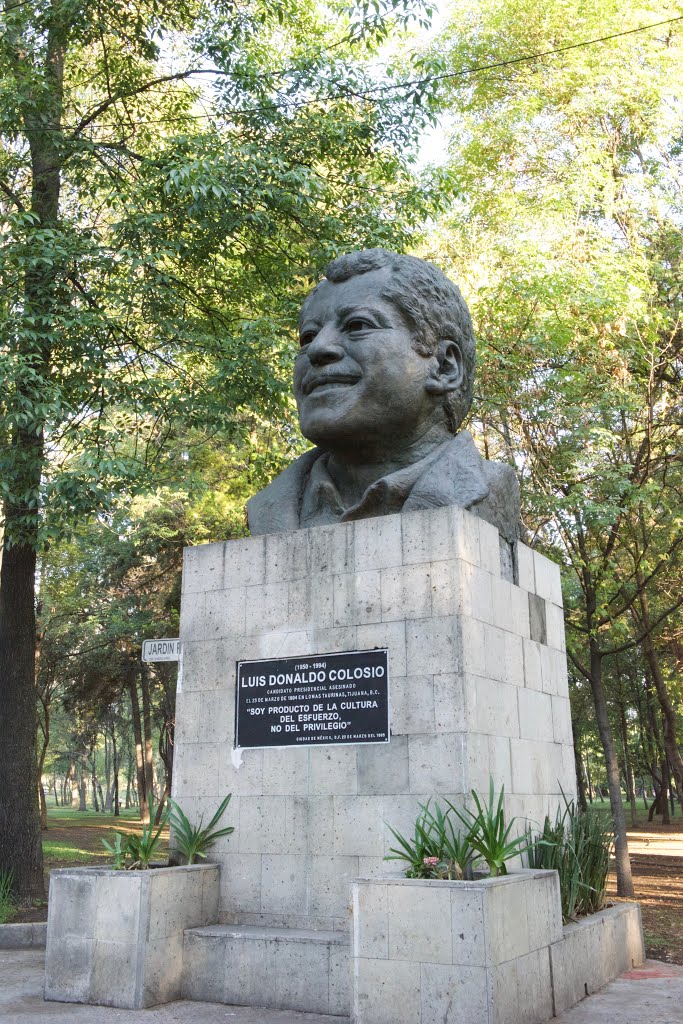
<point x="652" y="994"/>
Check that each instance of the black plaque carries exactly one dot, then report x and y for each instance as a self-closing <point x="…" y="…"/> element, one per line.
<point x="318" y="698"/>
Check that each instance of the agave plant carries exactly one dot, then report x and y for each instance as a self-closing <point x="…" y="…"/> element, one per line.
<point x="488" y="834"/>
<point x="194" y="840"/>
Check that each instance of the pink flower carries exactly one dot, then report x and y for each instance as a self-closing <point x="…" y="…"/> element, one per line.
<point x="431" y="861"/>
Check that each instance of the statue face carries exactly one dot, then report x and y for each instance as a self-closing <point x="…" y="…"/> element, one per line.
<point x="358" y="379"/>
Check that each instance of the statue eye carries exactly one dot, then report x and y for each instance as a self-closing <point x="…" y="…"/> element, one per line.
<point x="358" y="323"/>
<point x="306" y="338"/>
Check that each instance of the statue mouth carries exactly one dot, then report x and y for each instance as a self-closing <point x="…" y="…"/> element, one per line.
<point x="329" y="379"/>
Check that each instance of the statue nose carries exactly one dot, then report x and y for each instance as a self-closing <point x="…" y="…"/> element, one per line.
<point x="326" y="347"/>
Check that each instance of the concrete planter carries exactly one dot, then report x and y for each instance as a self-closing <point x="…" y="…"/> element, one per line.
<point x="492" y="951"/>
<point x="115" y="938"/>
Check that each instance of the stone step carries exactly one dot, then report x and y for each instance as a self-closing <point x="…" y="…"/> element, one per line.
<point x="279" y="968"/>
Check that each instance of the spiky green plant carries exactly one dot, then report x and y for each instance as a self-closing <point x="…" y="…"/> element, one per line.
<point x="488" y="834"/>
<point x="7" y="901"/>
<point x="194" y="840"/>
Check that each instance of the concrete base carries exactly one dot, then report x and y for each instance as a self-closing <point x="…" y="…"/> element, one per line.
<point x="284" y="969"/>
<point x="492" y="951"/>
<point x="115" y="938"/>
<point x="23" y="936"/>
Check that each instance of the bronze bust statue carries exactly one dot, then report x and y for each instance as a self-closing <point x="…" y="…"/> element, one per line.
<point x="382" y="381"/>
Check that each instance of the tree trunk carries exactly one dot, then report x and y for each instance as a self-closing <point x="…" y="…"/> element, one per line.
<point x="668" y="712"/>
<point x="83" y="784"/>
<point x="623" y="863"/>
<point x="139" y="745"/>
<point x="147" y="729"/>
<point x="115" y="769"/>
<point x="20" y="839"/>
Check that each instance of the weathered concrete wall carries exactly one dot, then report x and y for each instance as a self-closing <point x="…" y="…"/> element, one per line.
<point x="478" y="687"/>
<point x="115" y="938"/>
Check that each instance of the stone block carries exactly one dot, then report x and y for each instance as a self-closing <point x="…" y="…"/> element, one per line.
<point x="436" y="763"/>
<point x="458" y="997"/>
<point x="333" y="770"/>
<point x="406" y="592"/>
<point x="533" y="677"/>
<point x="538" y="627"/>
<point x="311" y="603"/>
<point x="240" y="884"/>
<point x="329" y="885"/>
<point x="23" y="936"/>
<point x="525" y="568"/>
<point x="474" y="588"/>
<point x="283" y="885"/>
<point x="419" y="921"/>
<point x="266" y="608"/>
<point x="357" y="598"/>
<point x="433" y="646"/>
<point x="391" y="635"/>
<point x="562" y="721"/>
<point x="386" y="992"/>
<point x="489" y="548"/>
<point x="225" y="613"/>
<point x="555" y="623"/>
<point x="245" y="780"/>
<point x="261" y="824"/>
<point x="203" y="568"/>
<point x="449" y="702"/>
<point x="383" y="768"/>
<point x="377" y="543"/>
<point x="535" y="714"/>
<point x="371" y="921"/>
<point x="537" y="767"/>
<point x="129" y="950"/>
<point x="467" y="925"/>
<point x="358" y="826"/>
<point x="487" y="757"/>
<point x="495" y="665"/>
<point x="285" y="771"/>
<point x="547" y="577"/>
<point x="412" y="704"/>
<point x="331" y="549"/>
<point x="473" y="646"/>
<point x="432" y="536"/>
<point x="288" y="556"/>
<point x="554" y="672"/>
<point x="520" y="991"/>
<point x="492" y="707"/>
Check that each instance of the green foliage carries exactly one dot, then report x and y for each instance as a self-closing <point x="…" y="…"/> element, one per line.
<point x="577" y="845"/>
<point x="487" y="832"/>
<point x="7" y="900"/>
<point x="117" y="850"/>
<point x="135" y="851"/>
<point x="436" y="849"/>
<point x="194" y="840"/>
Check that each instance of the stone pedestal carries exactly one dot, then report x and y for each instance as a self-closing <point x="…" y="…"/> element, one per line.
<point x="115" y="938"/>
<point x="477" y="688"/>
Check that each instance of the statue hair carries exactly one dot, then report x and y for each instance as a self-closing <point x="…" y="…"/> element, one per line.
<point x="431" y="304"/>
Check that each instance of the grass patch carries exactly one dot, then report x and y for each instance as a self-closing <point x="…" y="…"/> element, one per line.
<point x="56" y="850"/>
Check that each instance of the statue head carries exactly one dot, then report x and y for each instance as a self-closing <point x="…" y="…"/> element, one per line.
<point x="386" y="343"/>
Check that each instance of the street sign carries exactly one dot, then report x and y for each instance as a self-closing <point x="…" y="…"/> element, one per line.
<point x="161" y="650"/>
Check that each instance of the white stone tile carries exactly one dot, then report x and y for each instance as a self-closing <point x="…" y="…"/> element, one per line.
<point x="436" y="763"/>
<point x="406" y="592"/>
<point x="245" y="562"/>
<point x="477" y="592"/>
<point x="494" y="653"/>
<point x="311" y="603"/>
<point x="505" y="920"/>
<point x="240" y="883"/>
<point x="489" y="547"/>
<point x="520" y="991"/>
<point x="197" y="771"/>
<point x="192" y="616"/>
<point x="419" y="919"/>
<point x="433" y="646"/>
<point x="331" y="548"/>
<point x="535" y="715"/>
<point x="377" y="543"/>
<point x="447" y="586"/>
<point x="533" y="677"/>
<point x="473" y="646"/>
<point x="548" y="582"/>
<point x="246" y="780"/>
<point x="357" y="598"/>
<point x="467" y="925"/>
<point x="287" y="556"/>
<point x="536" y="767"/>
<point x="386" y="991"/>
<point x="391" y="635"/>
<point x="203" y="568"/>
<point x="525" y="568"/>
<point x="554" y="672"/>
<point x="332" y="770"/>
<point x="432" y="534"/>
<point x="486" y="758"/>
<point x="411" y="703"/>
<point x="491" y="706"/>
<point x="383" y="767"/>
<point x="358" y="826"/>
<point x="329" y="882"/>
<point x="514" y="659"/>
<point x="340" y="638"/>
<point x="452" y="994"/>
<point x="555" y="626"/>
<point x="283" y="884"/>
<point x="261" y="824"/>
<point x="285" y="771"/>
<point x="449" y="702"/>
<point x="370" y="936"/>
<point x="267" y="608"/>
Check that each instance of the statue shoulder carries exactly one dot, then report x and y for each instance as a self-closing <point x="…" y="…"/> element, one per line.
<point x="276" y="508"/>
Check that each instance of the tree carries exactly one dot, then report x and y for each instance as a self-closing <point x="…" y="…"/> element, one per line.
<point x="566" y="172"/>
<point x="171" y="174"/>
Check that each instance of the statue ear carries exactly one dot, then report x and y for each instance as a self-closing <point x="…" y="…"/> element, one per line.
<point x="448" y="373"/>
